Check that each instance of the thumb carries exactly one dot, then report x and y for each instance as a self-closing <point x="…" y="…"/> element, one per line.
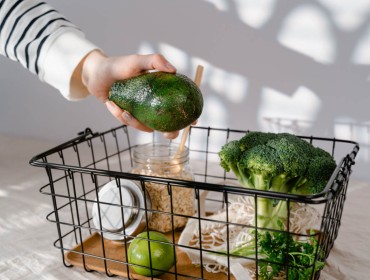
<point x="156" y="62"/>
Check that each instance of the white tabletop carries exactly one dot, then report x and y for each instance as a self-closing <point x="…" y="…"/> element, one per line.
<point x="26" y="237"/>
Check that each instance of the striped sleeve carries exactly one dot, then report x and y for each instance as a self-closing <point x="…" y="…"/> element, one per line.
<point x="46" y="43"/>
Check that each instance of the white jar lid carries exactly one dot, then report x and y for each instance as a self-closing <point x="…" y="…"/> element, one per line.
<point x="111" y="210"/>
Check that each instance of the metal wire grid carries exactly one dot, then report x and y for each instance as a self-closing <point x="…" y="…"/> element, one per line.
<point x="77" y="170"/>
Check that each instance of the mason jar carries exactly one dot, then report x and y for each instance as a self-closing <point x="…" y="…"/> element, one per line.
<point x="165" y="160"/>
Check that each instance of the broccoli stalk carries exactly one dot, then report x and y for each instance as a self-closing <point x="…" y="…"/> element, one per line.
<point x="280" y="163"/>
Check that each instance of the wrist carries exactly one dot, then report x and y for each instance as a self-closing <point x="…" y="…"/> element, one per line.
<point x="90" y="66"/>
<point x="59" y="61"/>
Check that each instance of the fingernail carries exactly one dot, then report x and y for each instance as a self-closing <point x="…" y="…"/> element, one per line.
<point x="126" y="116"/>
<point x="110" y="105"/>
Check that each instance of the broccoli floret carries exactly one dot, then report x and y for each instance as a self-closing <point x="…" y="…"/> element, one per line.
<point x="295" y="154"/>
<point x="318" y="173"/>
<point x="230" y="155"/>
<point x="279" y="162"/>
<point x="260" y="165"/>
<point x="255" y="138"/>
<point x="229" y="158"/>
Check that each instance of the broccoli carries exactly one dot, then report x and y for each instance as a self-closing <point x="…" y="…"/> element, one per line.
<point x="230" y="157"/>
<point x="278" y="162"/>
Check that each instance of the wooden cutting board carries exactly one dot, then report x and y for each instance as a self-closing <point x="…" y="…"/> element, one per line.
<point x="93" y="258"/>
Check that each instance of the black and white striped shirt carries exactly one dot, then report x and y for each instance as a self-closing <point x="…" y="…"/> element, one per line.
<point x="35" y="34"/>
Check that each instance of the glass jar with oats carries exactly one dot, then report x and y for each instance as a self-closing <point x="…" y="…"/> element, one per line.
<point x="165" y="160"/>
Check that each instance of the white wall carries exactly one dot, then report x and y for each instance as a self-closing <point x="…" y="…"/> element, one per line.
<point x="298" y="66"/>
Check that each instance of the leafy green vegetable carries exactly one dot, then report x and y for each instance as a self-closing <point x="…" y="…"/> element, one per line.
<point x="278" y="252"/>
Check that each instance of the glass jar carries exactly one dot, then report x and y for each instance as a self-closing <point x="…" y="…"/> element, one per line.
<point x="164" y="160"/>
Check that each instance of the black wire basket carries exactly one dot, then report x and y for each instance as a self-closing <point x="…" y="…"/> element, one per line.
<point x="78" y="169"/>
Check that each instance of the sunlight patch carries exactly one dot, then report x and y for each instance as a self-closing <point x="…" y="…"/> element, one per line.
<point x="219" y="4"/>
<point x="3" y="193"/>
<point x="146" y="48"/>
<point x="291" y="113"/>
<point x="176" y="56"/>
<point x="307" y="31"/>
<point x="255" y="13"/>
<point x="361" y="53"/>
<point x="348" y="14"/>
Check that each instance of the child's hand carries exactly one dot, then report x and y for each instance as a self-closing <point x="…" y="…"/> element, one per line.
<point x="99" y="72"/>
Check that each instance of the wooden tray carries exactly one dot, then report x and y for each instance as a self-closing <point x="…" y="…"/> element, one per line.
<point x="116" y="252"/>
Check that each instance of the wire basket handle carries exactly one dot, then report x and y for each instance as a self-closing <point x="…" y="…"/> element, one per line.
<point x="82" y="136"/>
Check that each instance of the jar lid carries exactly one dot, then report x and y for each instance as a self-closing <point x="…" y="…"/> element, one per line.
<point x="111" y="210"/>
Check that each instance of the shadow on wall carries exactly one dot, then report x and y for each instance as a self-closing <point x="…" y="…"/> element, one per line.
<point x="202" y="33"/>
<point x="300" y="60"/>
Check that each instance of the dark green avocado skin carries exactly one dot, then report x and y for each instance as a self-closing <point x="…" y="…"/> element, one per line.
<point x="162" y="101"/>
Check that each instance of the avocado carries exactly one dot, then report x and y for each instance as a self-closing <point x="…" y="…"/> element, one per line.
<point x="162" y="101"/>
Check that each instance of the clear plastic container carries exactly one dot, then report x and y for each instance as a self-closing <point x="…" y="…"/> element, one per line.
<point x="163" y="160"/>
